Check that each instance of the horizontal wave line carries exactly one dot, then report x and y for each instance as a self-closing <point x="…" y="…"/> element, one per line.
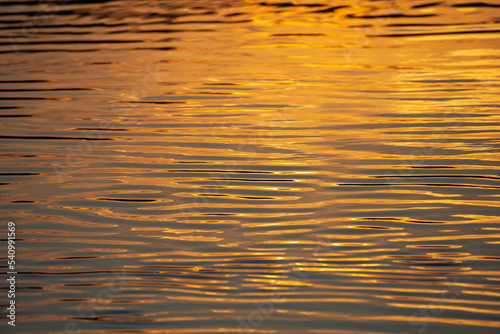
<point x="53" y="137"/>
<point x="438" y="176"/>
<point x="49" y="50"/>
<point x="46" y="90"/>
<point x="439" y="33"/>
<point x="452" y="185"/>
<point x="75" y="42"/>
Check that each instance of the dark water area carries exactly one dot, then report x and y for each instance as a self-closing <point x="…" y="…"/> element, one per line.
<point x="251" y="166"/>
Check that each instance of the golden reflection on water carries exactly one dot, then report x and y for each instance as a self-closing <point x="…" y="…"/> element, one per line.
<point x="178" y="164"/>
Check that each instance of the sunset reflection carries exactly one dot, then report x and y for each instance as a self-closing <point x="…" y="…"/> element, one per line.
<point x="251" y="166"/>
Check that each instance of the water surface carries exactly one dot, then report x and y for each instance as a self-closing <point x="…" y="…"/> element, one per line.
<point x="252" y="166"/>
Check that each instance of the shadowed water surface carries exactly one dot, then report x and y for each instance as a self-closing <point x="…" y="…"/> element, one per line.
<point x="252" y="166"/>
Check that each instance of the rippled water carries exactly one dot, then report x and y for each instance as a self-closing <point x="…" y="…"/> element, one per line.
<point x="252" y="166"/>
